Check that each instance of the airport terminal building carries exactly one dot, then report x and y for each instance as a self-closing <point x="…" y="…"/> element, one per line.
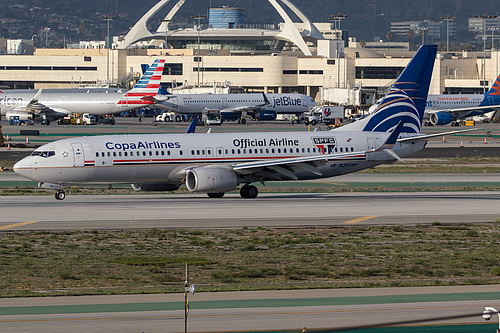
<point x="297" y="58"/>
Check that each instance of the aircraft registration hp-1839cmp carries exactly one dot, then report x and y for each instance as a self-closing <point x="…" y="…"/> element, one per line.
<point x="216" y="163"/>
<point x="53" y="104"/>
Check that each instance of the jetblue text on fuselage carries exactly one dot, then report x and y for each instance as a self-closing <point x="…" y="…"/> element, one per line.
<point x="286" y="101"/>
<point x="142" y="145"/>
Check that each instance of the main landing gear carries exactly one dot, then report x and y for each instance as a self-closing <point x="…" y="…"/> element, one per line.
<point x="60" y="195"/>
<point x="249" y="192"/>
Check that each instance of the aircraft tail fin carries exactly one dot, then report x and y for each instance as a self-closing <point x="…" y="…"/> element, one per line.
<point x="148" y="87"/>
<point x="494" y="91"/>
<point x="406" y="98"/>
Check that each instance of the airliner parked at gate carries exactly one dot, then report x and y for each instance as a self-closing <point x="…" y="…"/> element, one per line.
<point x="52" y="104"/>
<point x="216" y="163"/>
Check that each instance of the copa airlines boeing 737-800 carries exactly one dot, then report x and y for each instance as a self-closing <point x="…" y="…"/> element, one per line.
<point x="52" y="104"/>
<point x="216" y="163"/>
<point x="451" y="108"/>
<point x="235" y="106"/>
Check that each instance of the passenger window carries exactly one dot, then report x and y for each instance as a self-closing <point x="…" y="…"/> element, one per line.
<point x="197" y="152"/>
<point x="168" y="153"/>
<point x="120" y="153"/>
<point x="308" y="150"/>
<point x="144" y="153"/>
<point x="150" y="153"/>
<point x="314" y="150"/>
<point x="267" y="151"/>
<point x="109" y="154"/>
<point x="114" y="153"/>
<point x="102" y="154"/>
<point x="125" y="153"/>
<point x="192" y="152"/>
<point x="352" y="148"/>
<point x="162" y="153"/>
<point x="279" y="151"/>
<point x="341" y="149"/>
<point x="272" y="150"/>
<point x="96" y="154"/>
<point x="232" y="151"/>
<point x="157" y="153"/>
<point x="244" y="151"/>
<point x="180" y="152"/>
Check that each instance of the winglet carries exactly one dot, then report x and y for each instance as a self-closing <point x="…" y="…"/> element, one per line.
<point x="192" y="126"/>
<point x="37" y="96"/>
<point x="266" y="101"/>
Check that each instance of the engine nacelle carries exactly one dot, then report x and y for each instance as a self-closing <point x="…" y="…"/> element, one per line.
<point x="155" y="187"/>
<point x="440" y="118"/>
<point x="22" y="115"/>
<point x="211" y="179"/>
<point x="266" y="115"/>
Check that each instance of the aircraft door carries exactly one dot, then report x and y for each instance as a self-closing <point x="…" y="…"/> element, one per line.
<point x="174" y="102"/>
<point x="370" y="146"/>
<point x="78" y="154"/>
<point x="304" y="101"/>
<point x="224" y="102"/>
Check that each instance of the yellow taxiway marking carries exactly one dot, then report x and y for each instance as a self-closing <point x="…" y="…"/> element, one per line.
<point x="359" y="219"/>
<point x="17" y="225"/>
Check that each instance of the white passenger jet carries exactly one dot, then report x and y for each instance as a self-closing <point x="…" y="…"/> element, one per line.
<point x="215" y="163"/>
<point x="51" y="104"/>
<point x="451" y="108"/>
<point x="237" y="106"/>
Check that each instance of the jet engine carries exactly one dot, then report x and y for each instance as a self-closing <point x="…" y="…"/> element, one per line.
<point x="440" y="118"/>
<point x="22" y="115"/>
<point x="155" y="187"/>
<point x="211" y="179"/>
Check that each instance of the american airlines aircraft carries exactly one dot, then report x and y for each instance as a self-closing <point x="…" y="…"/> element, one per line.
<point x="236" y="106"/>
<point x="215" y="163"/>
<point x="52" y="104"/>
<point x="446" y="109"/>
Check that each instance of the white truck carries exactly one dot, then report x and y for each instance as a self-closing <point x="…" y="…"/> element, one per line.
<point x="325" y="114"/>
<point x="169" y="117"/>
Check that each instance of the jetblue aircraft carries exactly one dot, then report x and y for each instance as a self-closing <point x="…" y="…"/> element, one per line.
<point x="446" y="109"/>
<point x="237" y="106"/>
<point x="215" y="163"/>
<point x="52" y="104"/>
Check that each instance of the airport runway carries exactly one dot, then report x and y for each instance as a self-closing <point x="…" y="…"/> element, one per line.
<point x="284" y="210"/>
<point x="261" y="311"/>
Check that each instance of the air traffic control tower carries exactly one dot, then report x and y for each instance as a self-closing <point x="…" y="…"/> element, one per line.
<point x="226" y="18"/>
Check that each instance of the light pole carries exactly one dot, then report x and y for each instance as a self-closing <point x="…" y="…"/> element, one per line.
<point x="166" y="21"/>
<point x="484" y="17"/>
<point x="107" y="45"/>
<point x="487" y="313"/>
<point x="199" y="18"/>
<point x="47" y="29"/>
<point x="337" y="18"/>
<point x="447" y="19"/>
<point x="422" y="33"/>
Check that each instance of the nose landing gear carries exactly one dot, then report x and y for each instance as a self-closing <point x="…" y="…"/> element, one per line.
<point x="60" y="195"/>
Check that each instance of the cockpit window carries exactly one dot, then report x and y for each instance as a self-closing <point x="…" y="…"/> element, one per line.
<point x="44" y="154"/>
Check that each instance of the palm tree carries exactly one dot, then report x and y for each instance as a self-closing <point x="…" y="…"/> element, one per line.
<point x="389" y="36"/>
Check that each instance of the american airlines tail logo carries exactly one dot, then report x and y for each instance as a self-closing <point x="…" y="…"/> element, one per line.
<point x="396" y="106"/>
<point x="148" y="86"/>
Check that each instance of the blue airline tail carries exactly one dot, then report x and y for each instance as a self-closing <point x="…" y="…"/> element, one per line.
<point x="406" y="99"/>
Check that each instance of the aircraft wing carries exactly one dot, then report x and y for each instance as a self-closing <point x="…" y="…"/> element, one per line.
<point x="243" y="108"/>
<point x="288" y="166"/>
<point x="428" y="136"/>
<point x="34" y="106"/>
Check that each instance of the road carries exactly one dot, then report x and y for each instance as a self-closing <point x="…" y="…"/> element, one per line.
<point x="78" y="212"/>
<point x="251" y="311"/>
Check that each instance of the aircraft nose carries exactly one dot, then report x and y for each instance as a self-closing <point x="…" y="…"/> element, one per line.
<point x="23" y="167"/>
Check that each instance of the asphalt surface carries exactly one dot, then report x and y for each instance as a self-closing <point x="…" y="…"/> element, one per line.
<point x="262" y="311"/>
<point x="285" y="210"/>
